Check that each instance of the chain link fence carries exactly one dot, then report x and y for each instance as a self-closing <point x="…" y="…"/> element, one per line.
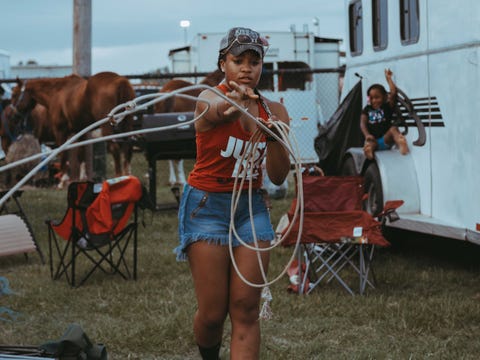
<point x="311" y="96"/>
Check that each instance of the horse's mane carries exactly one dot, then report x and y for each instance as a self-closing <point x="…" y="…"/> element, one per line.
<point x="178" y="105"/>
<point x="212" y="79"/>
<point x="55" y="83"/>
<point x="175" y="84"/>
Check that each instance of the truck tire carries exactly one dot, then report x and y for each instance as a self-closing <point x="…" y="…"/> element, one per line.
<point x="373" y="186"/>
<point x="348" y="167"/>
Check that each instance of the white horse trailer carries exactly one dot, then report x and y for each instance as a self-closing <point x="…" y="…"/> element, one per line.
<point x="309" y="98"/>
<point x="433" y="49"/>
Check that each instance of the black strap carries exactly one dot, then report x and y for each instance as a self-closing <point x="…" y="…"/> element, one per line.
<point x="263" y="103"/>
<point x="75" y="344"/>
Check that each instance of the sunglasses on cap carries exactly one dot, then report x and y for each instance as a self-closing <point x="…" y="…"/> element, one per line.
<point x="244" y="39"/>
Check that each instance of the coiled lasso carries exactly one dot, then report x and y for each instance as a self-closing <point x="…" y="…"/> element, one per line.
<point x="279" y="133"/>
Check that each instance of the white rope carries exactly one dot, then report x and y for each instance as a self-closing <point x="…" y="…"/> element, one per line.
<point x="113" y="117"/>
<point x="247" y="162"/>
<point x="249" y="153"/>
<point x="280" y="134"/>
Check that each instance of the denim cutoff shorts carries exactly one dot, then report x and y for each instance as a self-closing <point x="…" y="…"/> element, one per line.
<point x="381" y="144"/>
<point x="205" y="216"/>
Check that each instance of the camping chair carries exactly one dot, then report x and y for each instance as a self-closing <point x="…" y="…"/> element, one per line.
<point x="16" y="233"/>
<point x="96" y="227"/>
<point x="338" y="237"/>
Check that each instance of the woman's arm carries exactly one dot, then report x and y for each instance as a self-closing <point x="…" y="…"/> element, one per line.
<point x="221" y="110"/>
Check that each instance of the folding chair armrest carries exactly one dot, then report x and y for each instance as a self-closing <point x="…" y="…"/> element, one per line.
<point x="389" y="210"/>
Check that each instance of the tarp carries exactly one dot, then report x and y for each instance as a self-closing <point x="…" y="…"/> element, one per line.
<point x="340" y="132"/>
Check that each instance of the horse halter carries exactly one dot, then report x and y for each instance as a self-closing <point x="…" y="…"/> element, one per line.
<point x="20" y="98"/>
<point x="19" y="118"/>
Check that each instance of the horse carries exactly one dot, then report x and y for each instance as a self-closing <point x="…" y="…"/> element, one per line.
<point x="13" y="125"/>
<point x="74" y="103"/>
<point x="22" y="136"/>
<point x="180" y="104"/>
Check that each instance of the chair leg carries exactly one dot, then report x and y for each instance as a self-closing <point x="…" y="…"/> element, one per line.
<point x="366" y="258"/>
<point x="108" y="253"/>
<point x="327" y="261"/>
<point x="120" y="245"/>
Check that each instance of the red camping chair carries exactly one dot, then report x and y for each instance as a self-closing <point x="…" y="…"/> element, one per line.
<point x="337" y="234"/>
<point x="96" y="225"/>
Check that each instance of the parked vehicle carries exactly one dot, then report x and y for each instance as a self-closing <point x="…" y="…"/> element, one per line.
<point x="433" y="49"/>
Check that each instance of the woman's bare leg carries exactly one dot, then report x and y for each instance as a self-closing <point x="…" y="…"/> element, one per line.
<point x="244" y="304"/>
<point x="209" y="265"/>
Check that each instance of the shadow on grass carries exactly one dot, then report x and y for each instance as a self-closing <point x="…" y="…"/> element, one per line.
<point x="431" y="249"/>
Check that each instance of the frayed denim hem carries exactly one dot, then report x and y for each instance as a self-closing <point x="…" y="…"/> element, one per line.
<point x="188" y="239"/>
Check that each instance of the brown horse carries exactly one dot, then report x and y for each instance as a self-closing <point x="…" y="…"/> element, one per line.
<point x="21" y="137"/>
<point x="13" y="124"/>
<point x="74" y="103"/>
<point x="180" y="104"/>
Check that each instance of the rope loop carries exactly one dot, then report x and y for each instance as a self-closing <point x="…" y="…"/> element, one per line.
<point x="280" y="133"/>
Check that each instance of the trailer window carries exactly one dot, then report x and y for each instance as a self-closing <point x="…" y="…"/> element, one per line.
<point x="293" y="75"/>
<point x="355" y="21"/>
<point x="266" y="79"/>
<point x="289" y="75"/>
<point x="409" y="21"/>
<point x="379" y="24"/>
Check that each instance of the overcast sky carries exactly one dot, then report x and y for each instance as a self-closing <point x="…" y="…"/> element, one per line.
<point x="135" y="36"/>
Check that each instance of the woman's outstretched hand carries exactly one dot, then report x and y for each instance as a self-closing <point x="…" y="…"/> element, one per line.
<point x="241" y="94"/>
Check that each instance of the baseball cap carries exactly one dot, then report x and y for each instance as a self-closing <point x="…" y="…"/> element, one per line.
<point x="239" y="40"/>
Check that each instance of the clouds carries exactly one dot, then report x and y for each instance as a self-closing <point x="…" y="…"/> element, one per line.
<point x="135" y="36"/>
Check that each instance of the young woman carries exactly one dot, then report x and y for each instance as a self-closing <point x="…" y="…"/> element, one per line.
<point x="376" y="120"/>
<point x="222" y="135"/>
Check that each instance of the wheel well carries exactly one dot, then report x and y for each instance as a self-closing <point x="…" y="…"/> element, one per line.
<point x="358" y="158"/>
<point x="366" y="164"/>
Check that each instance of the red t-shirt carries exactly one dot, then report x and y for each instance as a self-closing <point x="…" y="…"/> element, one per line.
<point x="219" y="153"/>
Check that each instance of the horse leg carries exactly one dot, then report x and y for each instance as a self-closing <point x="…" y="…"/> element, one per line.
<point x="127" y="150"/>
<point x="84" y="172"/>
<point x="64" y="178"/>
<point x="172" y="177"/>
<point x="114" y="149"/>
<point x="180" y="172"/>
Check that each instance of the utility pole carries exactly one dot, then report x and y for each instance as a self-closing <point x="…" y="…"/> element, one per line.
<point x="82" y="37"/>
<point x="95" y="155"/>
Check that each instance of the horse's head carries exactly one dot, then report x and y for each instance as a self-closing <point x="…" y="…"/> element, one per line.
<point x="7" y="126"/>
<point x="15" y="118"/>
<point x="22" y="99"/>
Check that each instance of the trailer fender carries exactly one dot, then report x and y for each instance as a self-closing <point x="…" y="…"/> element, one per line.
<point x="353" y="161"/>
<point x="397" y="173"/>
<point x="399" y="179"/>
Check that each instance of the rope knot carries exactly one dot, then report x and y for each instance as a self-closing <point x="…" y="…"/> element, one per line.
<point x="266" y="311"/>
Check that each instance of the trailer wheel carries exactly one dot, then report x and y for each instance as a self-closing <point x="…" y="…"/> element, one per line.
<point x="348" y="167"/>
<point x="373" y="186"/>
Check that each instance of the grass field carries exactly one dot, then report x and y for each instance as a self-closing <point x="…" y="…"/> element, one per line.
<point x="426" y="303"/>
